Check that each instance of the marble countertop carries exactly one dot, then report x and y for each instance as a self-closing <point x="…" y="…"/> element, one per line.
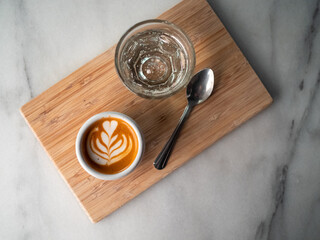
<point x="262" y="181"/>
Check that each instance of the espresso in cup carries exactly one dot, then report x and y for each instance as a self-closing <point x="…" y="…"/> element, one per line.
<point x="109" y="145"/>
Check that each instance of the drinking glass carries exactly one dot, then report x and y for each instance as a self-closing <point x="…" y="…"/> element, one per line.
<point x="155" y="59"/>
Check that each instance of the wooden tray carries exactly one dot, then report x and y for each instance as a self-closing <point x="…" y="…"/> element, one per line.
<point x="56" y="115"/>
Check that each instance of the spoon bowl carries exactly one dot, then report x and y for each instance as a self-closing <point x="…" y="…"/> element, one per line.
<point x="200" y="87"/>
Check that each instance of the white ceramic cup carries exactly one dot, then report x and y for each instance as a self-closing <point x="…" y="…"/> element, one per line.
<point x="79" y="140"/>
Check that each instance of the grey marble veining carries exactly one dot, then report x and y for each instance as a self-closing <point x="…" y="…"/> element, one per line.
<point x="262" y="181"/>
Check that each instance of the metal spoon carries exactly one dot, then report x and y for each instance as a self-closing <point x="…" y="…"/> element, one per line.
<point x="198" y="90"/>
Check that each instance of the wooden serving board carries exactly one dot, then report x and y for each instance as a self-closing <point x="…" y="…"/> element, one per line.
<point x="56" y="115"/>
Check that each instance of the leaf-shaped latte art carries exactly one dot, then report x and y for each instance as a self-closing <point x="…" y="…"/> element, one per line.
<point x="105" y="147"/>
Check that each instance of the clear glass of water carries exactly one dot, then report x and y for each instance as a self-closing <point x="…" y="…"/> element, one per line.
<point x="155" y="59"/>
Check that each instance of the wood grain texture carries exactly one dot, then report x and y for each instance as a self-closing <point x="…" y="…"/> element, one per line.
<point x="56" y="115"/>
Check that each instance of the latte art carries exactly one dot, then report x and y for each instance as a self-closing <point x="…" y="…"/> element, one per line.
<point x="105" y="147"/>
<point x="110" y="145"/>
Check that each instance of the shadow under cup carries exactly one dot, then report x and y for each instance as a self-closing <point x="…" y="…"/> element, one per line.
<point x="155" y="59"/>
<point x="109" y="145"/>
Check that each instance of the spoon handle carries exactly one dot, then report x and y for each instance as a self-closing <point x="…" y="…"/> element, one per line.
<point x="164" y="155"/>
